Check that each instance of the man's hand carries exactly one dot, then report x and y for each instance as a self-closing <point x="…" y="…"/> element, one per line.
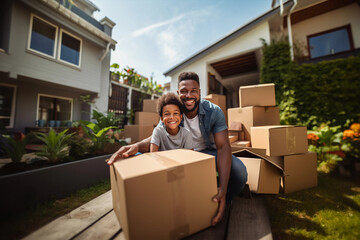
<point x="123" y="152"/>
<point x="220" y="198"/>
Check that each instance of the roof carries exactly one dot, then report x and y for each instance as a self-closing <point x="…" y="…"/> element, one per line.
<point x="228" y="38"/>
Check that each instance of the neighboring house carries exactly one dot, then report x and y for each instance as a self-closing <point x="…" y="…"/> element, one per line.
<point x="319" y="30"/>
<point x="52" y="54"/>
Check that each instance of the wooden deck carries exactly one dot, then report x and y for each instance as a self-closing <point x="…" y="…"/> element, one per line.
<point x="246" y="218"/>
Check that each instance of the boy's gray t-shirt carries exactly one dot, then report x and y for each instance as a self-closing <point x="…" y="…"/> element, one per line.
<point x="166" y="141"/>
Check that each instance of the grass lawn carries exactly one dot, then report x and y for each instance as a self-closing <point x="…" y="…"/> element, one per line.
<point x="329" y="211"/>
<point x="21" y="224"/>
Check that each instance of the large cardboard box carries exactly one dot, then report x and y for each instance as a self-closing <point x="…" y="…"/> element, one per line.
<point x="257" y="95"/>
<point x="150" y="105"/>
<point x="147" y="118"/>
<point x="219" y="100"/>
<point x="264" y="176"/>
<point x="253" y="116"/>
<point x="164" y="195"/>
<point x="138" y="132"/>
<point x="300" y="172"/>
<point x="280" y="140"/>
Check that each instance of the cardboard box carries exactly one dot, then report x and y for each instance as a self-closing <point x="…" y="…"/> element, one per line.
<point x="219" y="100"/>
<point x="147" y="118"/>
<point x="240" y="144"/>
<point x="253" y="116"/>
<point x="164" y="195"/>
<point x="280" y="140"/>
<point x="233" y="138"/>
<point x="264" y="176"/>
<point x="150" y="105"/>
<point x="235" y="126"/>
<point x="138" y="132"/>
<point x="300" y="172"/>
<point x="257" y="95"/>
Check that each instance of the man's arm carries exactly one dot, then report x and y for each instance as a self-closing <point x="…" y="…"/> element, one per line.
<point x="129" y="150"/>
<point x="223" y="167"/>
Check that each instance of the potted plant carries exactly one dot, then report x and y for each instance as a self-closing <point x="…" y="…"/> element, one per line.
<point x="115" y="74"/>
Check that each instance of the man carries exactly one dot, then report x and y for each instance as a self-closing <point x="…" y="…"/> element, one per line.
<point x="207" y="124"/>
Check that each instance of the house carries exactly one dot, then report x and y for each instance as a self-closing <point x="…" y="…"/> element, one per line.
<point x="317" y="29"/>
<point x="54" y="55"/>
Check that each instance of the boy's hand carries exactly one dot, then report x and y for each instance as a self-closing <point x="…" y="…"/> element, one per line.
<point x="220" y="198"/>
<point x="123" y="152"/>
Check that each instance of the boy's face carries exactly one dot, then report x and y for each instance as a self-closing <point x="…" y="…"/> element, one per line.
<point x="171" y="116"/>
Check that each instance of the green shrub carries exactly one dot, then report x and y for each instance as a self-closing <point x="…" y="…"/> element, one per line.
<point x="327" y="91"/>
<point x="56" y="147"/>
<point x="311" y="94"/>
<point x="275" y="64"/>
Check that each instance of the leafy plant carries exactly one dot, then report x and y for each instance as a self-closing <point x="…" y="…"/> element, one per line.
<point x="326" y="142"/>
<point x="105" y="120"/>
<point x="15" y="148"/>
<point x="97" y="135"/>
<point x="351" y="142"/>
<point x="56" y="145"/>
<point x="79" y="147"/>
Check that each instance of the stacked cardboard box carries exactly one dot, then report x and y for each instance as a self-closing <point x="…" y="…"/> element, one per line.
<point x="145" y="122"/>
<point x="164" y="195"/>
<point x="278" y="159"/>
<point x="257" y="108"/>
<point x="219" y="100"/>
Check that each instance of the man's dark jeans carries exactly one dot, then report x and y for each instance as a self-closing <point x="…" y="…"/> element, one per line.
<point x="238" y="175"/>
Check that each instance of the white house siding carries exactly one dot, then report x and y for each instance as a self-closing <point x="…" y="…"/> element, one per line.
<point x="247" y="42"/>
<point x="349" y="14"/>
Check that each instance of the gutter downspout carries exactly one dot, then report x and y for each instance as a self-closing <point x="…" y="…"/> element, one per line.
<point x="106" y="52"/>
<point x="289" y="30"/>
<point x="288" y="18"/>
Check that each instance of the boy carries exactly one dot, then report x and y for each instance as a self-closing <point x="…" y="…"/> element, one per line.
<point x="168" y="134"/>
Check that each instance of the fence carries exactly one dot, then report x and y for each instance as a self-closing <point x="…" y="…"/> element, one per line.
<point x="125" y="100"/>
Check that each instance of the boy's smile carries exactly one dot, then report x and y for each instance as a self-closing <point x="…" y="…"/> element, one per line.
<point x="171" y="117"/>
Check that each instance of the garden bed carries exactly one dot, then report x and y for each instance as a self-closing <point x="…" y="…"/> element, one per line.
<point x="29" y="188"/>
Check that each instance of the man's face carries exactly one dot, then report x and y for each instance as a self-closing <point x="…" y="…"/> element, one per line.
<point x="189" y="92"/>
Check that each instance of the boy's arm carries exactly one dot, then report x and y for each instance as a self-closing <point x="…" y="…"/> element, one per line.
<point x="130" y="150"/>
<point x="154" y="147"/>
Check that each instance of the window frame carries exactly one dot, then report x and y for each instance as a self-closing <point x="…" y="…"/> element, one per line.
<point x="30" y="34"/>
<point x="54" y="96"/>
<point x="13" y="103"/>
<point x="348" y="29"/>
<point x="60" y="46"/>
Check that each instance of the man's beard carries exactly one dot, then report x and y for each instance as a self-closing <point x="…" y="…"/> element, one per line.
<point x="195" y="106"/>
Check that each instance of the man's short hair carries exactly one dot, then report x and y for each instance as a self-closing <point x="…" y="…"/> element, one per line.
<point x="169" y="98"/>
<point x="188" y="76"/>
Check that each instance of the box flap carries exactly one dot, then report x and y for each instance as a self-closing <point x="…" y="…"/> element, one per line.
<point x="250" y="154"/>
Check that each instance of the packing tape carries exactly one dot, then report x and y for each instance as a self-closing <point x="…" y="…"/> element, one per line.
<point x="290" y="139"/>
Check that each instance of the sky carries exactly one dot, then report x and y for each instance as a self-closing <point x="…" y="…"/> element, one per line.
<point x="155" y="35"/>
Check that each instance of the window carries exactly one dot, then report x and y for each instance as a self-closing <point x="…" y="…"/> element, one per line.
<point x="44" y="39"/>
<point x="7" y="105"/>
<point x="330" y="42"/>
<point x="42" y="36"/>
<point x="54" y="108"/>
<point x="70" y="48"/>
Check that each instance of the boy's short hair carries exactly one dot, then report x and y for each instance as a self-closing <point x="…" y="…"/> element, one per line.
<point x="188" y="76"/>
<point x="169" y="98"/>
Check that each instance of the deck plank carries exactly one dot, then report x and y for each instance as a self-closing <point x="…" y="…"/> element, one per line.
<point x="105" y="228"/>
<point x="249" y="219"/>
<point x="217" y="232"/>
<point x="71" y="224"/>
